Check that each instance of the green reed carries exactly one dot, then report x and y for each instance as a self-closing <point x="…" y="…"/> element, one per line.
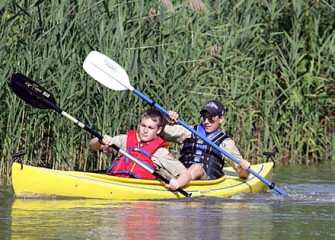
<point x="270" y="62"/>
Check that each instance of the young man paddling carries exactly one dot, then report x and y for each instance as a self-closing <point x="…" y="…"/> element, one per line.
<point x="145" y="145"/>
<point x="201" y="159"/>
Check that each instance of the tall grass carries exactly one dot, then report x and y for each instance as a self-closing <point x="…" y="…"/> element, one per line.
<point x="270" y="62"/>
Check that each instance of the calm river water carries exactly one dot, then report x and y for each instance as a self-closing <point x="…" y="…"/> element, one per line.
<point x="307" y="212"/>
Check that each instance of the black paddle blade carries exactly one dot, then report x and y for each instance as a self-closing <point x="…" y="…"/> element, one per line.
<point x="32" y="93"/>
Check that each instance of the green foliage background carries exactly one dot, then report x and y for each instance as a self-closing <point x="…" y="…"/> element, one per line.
<point x="270" y="62"/>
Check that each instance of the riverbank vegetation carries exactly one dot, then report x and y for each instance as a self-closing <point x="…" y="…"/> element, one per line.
<point x="270" y="62"/>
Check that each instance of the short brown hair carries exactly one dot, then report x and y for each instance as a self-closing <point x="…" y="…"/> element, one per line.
<point x="155" y="116"/>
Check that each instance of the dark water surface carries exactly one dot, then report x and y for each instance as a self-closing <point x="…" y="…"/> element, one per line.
<point x="307" y="212"/>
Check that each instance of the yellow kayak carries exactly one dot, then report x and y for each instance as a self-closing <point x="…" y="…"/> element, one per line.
<point x="29" y="181"/>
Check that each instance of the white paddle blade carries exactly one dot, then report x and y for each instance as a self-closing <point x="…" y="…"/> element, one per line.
<point x="106" y="71"/>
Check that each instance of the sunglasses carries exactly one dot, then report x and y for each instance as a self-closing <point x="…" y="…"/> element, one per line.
<point x="210" y="119"/>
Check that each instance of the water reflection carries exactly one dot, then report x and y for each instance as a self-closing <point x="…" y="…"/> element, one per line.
<point x="96" y="219"/>
<point x="307" y="212"/>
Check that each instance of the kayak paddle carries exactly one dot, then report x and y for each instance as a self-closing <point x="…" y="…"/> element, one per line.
<point x="37" y="96"/>
<point x="112" y="75"/>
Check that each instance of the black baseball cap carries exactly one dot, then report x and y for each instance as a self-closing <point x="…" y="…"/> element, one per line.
<point x="214" y="108"/>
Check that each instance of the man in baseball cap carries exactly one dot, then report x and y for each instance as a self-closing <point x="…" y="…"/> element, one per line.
<point x="203" y="161"/>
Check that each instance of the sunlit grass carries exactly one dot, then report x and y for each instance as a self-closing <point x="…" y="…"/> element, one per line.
<point x="270" y="62"/>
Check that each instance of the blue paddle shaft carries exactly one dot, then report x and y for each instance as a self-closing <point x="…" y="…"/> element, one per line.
<point x="209" y="142"/>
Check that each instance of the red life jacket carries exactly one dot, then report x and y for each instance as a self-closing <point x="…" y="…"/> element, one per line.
<point x="124" y="167"/>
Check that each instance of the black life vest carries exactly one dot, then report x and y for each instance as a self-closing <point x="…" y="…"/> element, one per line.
<point x="195" y="150"/>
